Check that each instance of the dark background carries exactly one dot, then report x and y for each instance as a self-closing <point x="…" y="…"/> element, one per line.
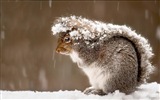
<point x="27" y="47"/>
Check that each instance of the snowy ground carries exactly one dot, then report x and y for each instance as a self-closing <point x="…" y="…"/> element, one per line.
<point x="149" y="91"/>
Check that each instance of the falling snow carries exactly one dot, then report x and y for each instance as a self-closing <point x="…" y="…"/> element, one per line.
<point x="117" y="6"/>
<point x="43" y="79"/>
<point x="146" y="14"/>
<point x="40" y="5"/>
<point x="158" y="33"/>
<point x="24" y="72"/>
<point x="2" y="35"/>
<point x="50" y="3"/>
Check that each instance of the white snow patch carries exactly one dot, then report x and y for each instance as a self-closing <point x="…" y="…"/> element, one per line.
<point x="58" y="28"/>
<point x="148" y="91"/>
<point x="74" y="33"/>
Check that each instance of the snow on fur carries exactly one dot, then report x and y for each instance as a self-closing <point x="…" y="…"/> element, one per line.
<point x="144" y="92"/>
<point x="82" y="28"/>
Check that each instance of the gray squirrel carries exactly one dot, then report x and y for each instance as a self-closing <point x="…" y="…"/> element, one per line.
<point x="113" y="57"/>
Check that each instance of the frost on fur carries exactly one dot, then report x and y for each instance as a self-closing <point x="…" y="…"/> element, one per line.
<point x="82" y="28"/>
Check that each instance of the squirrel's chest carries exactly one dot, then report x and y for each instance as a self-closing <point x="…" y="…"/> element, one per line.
<point x="97" y="76"/>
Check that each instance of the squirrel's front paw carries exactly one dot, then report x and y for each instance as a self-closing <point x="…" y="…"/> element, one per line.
<point x="91" y="90"/>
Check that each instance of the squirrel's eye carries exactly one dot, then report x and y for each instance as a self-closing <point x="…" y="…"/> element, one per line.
<point x="67" y="39"/>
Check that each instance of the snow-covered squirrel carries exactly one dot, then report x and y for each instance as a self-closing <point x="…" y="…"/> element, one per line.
<point x="113" y="57"/>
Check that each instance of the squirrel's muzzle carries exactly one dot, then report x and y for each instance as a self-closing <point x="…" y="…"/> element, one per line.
<point x="58" y="50"/>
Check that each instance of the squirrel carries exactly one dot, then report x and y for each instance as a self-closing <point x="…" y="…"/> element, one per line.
<point x="114" y="57"/>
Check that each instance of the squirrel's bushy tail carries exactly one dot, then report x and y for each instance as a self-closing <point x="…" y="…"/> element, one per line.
<point x="144" y="52"/>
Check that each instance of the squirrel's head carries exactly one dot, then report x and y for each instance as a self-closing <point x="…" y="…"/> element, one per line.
<point x="64" y="44"/>
<point x="75" y="32"/>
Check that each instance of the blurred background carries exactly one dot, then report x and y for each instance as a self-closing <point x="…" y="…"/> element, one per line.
<point x="27" y="47"/>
